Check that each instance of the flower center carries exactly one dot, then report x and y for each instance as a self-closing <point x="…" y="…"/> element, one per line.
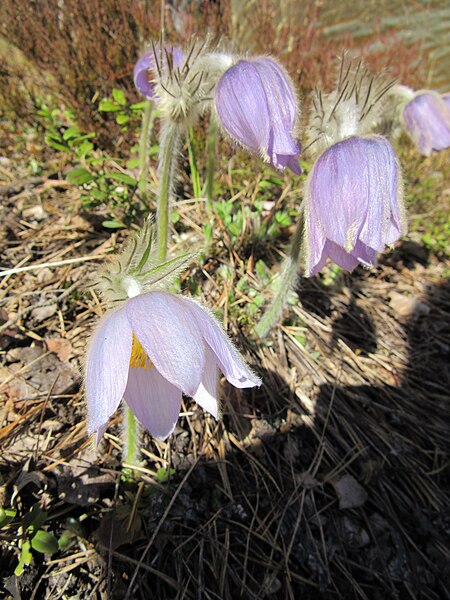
<point x="139" y="358"/>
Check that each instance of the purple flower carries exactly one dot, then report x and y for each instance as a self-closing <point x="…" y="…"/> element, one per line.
<point x="353" y="203"/>
<point x="256" y="106"/>
<point x="151" y="351"/>
<point x="145" y="70"/>
<point x="427" y="117"/>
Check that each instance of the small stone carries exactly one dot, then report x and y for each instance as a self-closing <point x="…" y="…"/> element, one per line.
<point x="350" y="493"/>
<point x="41" y="313"/>
<point x="34" y="213"/>
<point x="407" y="306"/>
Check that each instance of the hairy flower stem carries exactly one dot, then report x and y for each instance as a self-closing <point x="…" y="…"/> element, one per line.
<point x="211" y="163"/>
<point x="168" y="157"/>
<point x="143" y="149"/>
<point x="288" y="276"/>
<point x="131" y="436"/>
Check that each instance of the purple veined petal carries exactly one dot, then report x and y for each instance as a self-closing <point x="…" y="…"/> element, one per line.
<point x="154" y="401"/>
<point x="314" y="238"/>
<point x="427" y="118"/>
<point x="257" y="107"/>
<point x="364" y="254"/>
<point x="142" y="81"/>
<point x="207" y="393"/>
<point x="100" y="433"/>
<point x="108" y="360"/>
<point x="289" y="161"/>
<point x="163" y="324"/>
<point x="384" y="194"/>
<point x="146" y="65"/>
<point x="339" y="191"/>
<point x="228" y="358"/>
<point x="340" y="257"/>
<point x="242" y="106"/>
<point x="282" y="109"/>
<point x="314" y="268"/>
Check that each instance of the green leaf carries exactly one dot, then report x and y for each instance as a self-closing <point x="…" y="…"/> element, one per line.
<point x="55" y="145"/>
<point x="162" y="474"/>
<point x="70" y="133"/>
<point x="122" y="119"/>
<point x="175" y="217"/>
<point x="122" y="177"/>
<point x="79" y="176"/>
<point x="6" y="516"/>
<point x="138" y="106"/>
<point x="84" y="149"/>
<point x="65" y="539"/>
<point x="119" y="96"/>
<point x="112" y="224"/>
<point x="25" y="558"/>
<point x="44" y="542"/>
<point x="108" y="106"/>
<point x="98" y="195"/>
<point x="34" y="519"/>
<point x="132" y="163"/>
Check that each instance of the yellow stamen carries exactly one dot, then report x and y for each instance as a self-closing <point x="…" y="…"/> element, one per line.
<point x="139" y="358"/>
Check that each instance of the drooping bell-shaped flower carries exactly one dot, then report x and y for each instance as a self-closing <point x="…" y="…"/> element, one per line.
<point x="353" y="203"/>
<point x="427" y="118"/>
<point x="257" y="107"/>
<point x="153" y="349"/>
<point x="153" y="60"/>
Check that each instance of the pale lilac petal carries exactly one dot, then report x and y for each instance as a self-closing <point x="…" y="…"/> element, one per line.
<point x="382" y="194"/>
<point x="340" y="190"/>
<point x="154" y="401"/>
<point x="108" y="359"/>
<point x="164" y="326"/>
<point x="446" y="99"/>
<point x="315" y="252"/>
<point x="340" y="257"/>
<point x="227" y="357"/>
<point x="257" y="107"/>
<point x="207" y="393"/>
<point x="353" y="193"/>
<point x="427" y="118"/>
<point x="365" y="254"/>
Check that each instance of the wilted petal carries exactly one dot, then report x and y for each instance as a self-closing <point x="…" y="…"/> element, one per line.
<point x="207" y="393"/>
<point x="427" y="118"/>
<point x="145" y="70"/>
<point x="257" y="107"/>
<point x="154" y="401"/>
<point x="164" y="326"/>
<point x="108" y="360"/>
<point x="228" y="359"/>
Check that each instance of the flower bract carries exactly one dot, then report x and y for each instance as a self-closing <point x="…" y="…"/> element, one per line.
<point x="257" y="107"/>
<point x="353" y="203"/>
<point x="427" y="118"/>
<point x="153" y="349"/>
